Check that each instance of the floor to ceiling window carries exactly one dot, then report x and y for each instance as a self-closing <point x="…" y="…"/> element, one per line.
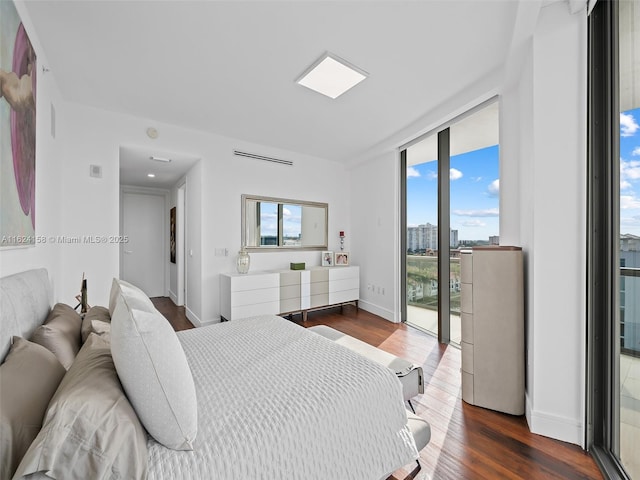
<point x="451" y="186"/>
<point x="614" y="238"/>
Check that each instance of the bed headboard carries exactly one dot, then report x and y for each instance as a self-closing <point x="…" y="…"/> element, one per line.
<point x="25" y="302"/>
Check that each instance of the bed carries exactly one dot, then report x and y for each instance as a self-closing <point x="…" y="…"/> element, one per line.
<point x="270" y="399"/>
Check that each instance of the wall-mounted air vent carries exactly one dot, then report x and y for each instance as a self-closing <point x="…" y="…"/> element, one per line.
<point x="262" y="157"/>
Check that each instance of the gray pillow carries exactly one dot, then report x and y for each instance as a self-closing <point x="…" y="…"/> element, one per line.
<point x="155" y="375"/>
<point x="90" y="430"/>
<point x="60" y="333"/>
<point x="29" y="377"/>
<point x="95" y="314"/>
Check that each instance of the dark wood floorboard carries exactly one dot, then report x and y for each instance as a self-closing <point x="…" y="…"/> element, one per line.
<point x="176" y="315"/>
<point x="467" y="442"/>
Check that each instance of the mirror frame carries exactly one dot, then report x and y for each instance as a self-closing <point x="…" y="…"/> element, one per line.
<point x="286" y="201"/>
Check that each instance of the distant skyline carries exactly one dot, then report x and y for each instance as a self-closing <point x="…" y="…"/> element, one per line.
<point x="630" y="172"/>
<point x="475" y="192"/>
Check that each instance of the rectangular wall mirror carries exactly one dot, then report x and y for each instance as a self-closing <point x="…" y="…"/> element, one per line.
<point x="274" y="223"/>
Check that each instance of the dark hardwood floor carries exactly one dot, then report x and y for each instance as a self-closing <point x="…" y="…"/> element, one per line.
<point x="176" y="316"/>
<point x="467" y="442"/>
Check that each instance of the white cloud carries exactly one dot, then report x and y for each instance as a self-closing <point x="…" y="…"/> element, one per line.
<point x="630" y="221"/>
<point x="629" y="172"/>
<point x="489" y="212"/>
<point x="476" y="179"/>
<point x="474" y="223"/>
<point x="412" y="172"/>
<point x="494" y="188"/>
<point x="628" y="202"/>
<point x="636" y="151"/>
<point x="628" y="125"/>
<point x="455" y="174"/>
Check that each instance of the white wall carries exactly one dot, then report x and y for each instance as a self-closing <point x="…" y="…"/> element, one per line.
<point x="543" y="129"/>
<point x="375" y="242"/>
<point x="557" y="334"/>
<point x="228" y="177"/>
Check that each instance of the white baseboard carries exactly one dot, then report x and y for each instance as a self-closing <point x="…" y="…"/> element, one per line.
<point x="193" y="318"/>
<point x="209" y="322"/>
<point x="197" y="322"/>
<point x="173" y="297"/>
<point x="554" y="426"/>
<point x="377" y="310"/>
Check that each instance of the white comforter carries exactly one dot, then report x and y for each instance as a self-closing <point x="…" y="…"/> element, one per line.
<point x="276" y="401"/>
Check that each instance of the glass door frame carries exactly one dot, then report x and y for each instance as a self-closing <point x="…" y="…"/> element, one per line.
<point x="444" y="247"/>
<point x="603" y="243"/>
<point x="444" y="219"/>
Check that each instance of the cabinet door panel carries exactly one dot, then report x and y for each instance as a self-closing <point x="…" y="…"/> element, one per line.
<point x="343" y="296"/>
<point x="267" y="308"/>
<point x="289" y="278"/>
<point x="252" y="282"/>
<point x="256" y="296"/>
<point x="343" y="284"/>
<point x="467" y="327"/>
<point x="339" y="273"/>
<point x="319" y="300"/>
<point x="466" y="298"/>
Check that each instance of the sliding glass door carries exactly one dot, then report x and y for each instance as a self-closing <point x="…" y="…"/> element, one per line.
<point x="451" y="201"/>
<point x="421" y="258"/>
<point x="614" y="238"/>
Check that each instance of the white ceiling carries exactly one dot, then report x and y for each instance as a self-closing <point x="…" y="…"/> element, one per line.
<point x="478" y="130"/>
<point x="136" y="165"/>
<point x="230" y="67"/>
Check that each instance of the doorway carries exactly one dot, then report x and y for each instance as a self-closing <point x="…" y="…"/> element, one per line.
<point x="450" y="196"/>
<point x="181" y="266"/>
<point x="144" y="225"/>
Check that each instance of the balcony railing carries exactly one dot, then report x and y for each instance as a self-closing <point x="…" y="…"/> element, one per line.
<point x="630" y="310"/>
<point x="422" y="282"/>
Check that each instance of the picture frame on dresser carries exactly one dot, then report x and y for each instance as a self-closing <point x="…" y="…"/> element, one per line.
<point x="341" y="259"/>
<point x="327" y="259"/>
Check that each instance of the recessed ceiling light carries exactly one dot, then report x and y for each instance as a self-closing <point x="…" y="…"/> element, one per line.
<point x="151" y="175"/>
<point x="330" y="75"/>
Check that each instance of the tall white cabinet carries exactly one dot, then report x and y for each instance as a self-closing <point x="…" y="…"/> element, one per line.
<point x="492" y="311"/>
<point x="287" y="291"/>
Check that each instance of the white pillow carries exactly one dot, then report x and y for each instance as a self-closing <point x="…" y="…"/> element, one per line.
<point x="155" y="375"/>
<point x="134" y="297"/>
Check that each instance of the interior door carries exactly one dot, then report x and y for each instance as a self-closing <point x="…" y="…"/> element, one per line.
<point x="144" y="256"/>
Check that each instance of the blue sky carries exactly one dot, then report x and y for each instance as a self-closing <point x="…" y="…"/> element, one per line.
<point x="292" y="219"/>
<point x="630" y="172"/>
<point x="474" y="194"/>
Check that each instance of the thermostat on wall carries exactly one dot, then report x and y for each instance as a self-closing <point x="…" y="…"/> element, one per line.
<point x="95" y="171"/>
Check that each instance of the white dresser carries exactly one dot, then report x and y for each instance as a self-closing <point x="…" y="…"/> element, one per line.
<point x="492" y="311"/>
<point x="287" y="291"/>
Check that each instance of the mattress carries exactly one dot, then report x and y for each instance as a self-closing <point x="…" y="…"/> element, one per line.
<point x="278" y="401"/>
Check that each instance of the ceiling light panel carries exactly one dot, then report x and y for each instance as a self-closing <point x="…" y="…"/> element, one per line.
<point x="332" y="76"/>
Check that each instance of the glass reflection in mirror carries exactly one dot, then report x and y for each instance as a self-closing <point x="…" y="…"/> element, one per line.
<point x="280" y="223"/>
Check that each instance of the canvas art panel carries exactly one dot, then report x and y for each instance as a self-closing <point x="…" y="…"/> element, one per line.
<point x="17" y="131"/>
<point x="172" y="235"/>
